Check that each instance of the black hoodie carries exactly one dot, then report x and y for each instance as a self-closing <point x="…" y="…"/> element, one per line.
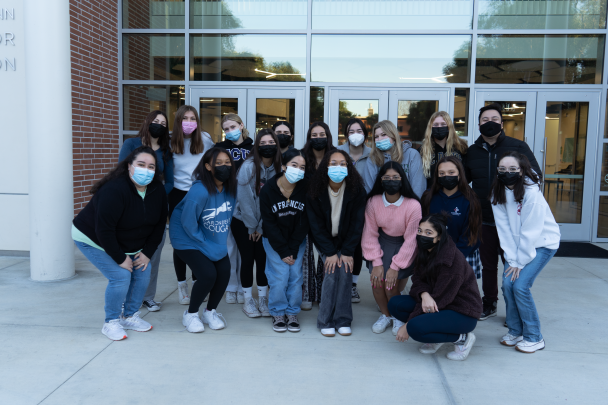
<point x="284" y="224"/>
<point x="238" y="152"/>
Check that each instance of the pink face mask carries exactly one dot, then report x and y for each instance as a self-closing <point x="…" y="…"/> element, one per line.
<point x="188" y="127"/>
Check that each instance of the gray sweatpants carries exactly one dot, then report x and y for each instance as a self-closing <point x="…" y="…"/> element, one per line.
<point x="154" y="265"/>
<point x="335" y="309"/>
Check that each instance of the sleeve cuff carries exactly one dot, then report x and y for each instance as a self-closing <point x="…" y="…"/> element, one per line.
<point x="377" y="262"/>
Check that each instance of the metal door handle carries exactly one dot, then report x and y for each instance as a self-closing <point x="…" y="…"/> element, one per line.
<point x="544" y="168"/>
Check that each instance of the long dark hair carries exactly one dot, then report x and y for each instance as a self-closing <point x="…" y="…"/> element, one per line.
<point x="467" y="192"/>
<point x="288" y="125"/>
<point x="177" y="136"/>
<point x="257" y="159"/>
<point x="122" y="168"/>
<point x="206" y="177"/>
<point x="426" y="262"/>
<point x="309" y="154"/>
<point x="528" y="177"/>
<point x="163" y="140"/>
<point x="290" y="154"/>
<point x="320" y="181"/>
<point x="406" y="188"/>
<point x="361" y="124"/>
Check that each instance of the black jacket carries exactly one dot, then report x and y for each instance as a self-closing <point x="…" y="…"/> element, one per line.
<point x="284" y="224"/>
<point x="238" y="152"/>
<point x="350" y="229"/>
<point x="438" y="153"/>
<point x="118" y="220"/>
<point x="482" y="160"/>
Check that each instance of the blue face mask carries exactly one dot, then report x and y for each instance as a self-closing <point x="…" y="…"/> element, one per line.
<point x="234" y="135"/>
<point x="142" y="176"/>
<point x="337" y="173"/>
<point x="293" y="175"/>
<point x="384" y="144"/>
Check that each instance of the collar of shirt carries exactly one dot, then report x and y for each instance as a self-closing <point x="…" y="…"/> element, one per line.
<point x="396" y="203"/>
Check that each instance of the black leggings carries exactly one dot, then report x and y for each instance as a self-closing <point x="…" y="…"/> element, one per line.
<point x="250" y="251"/>
<point x="438" y="327"/>
<point x="175" y="197"/>
<point x="213" y="278"/>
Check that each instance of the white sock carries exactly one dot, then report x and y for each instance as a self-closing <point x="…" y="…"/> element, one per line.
<point x="355" y="279"/>
<point x="247" y="292"/>
<point x="182" y="282"/>
<point x="262" y="291"/>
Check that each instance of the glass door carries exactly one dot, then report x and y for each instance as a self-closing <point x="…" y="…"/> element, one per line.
<point x="214" y="103"/>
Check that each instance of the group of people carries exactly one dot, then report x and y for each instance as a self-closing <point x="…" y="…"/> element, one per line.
<point x="245" y="204"/>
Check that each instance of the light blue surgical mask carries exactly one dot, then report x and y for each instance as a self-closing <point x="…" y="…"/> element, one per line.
<point x="384" y="144"/>
<point x="337" y="173"/>
<point x="233" y="135"/>
<point x="293" y="175"/>
<point x="142" y="176"/>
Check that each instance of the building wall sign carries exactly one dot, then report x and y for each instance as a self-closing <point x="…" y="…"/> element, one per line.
<point x="7" y="63"/>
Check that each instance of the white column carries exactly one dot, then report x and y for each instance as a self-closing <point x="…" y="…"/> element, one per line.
<point x="49" y="131"/>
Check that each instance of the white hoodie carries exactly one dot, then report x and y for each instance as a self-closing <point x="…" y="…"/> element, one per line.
<point x="524" y="227"/>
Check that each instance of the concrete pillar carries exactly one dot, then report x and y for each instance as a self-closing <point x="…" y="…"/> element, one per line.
<point x="49" y="131"/>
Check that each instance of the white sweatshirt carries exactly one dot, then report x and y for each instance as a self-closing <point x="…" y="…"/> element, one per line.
<point x="184" y="164"/>
<point x="524" y="227"/>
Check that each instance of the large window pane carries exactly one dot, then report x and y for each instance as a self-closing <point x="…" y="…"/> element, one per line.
<point x="604" y="176"/>
<point x="391" y="14"/>
<point x="413" y="117"/>
<point x="212" y="110"/>
<point x="365" y="110"/>
<point x="542" y="14"/>
<point x="138" y="101"/>
<point x="155" y="14"/>
<point x="391" y="58"/>
<point x="536" y="59"/>
<point x="461" y="111"/>
<point x="248" y="14"/>
<point x="270" y="110"/>
<point x="267" y="58"/>
<point x="317" y="104"/>
<point x="153" y="57"/>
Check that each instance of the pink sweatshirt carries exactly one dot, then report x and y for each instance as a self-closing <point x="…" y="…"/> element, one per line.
<point x="394" y="221"/>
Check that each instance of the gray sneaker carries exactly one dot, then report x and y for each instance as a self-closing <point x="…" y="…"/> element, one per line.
<point x="250" y="308"/>
<point x="278" y="323"/>
<point x="263" y="306"/>
<point x="293" y="325"/>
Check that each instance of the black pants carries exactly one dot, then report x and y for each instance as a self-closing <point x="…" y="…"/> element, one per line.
<point x="175" y="197"/>
<point x="488" y="252"/>
<point x="439" y="327"/>
<point x="213" y="278"/>
<point x="250" y="252"/>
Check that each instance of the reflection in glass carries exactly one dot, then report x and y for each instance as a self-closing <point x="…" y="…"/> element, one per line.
<point x="212" y="109"/>
<point x="248" y="14"/>
<point x="566" y="133"/>
<point x="413" y="118"/>
<point x="317" y="104"/>
<point x="392" y="58"/>
<point x="153" y="57"/>
<point x="270" y="110"/>
<point x="602" y="218"/>
<point x="391" y="14"/>
<point x="267" y="58"/>
<point x="138" y="101"/>
<point x="542" y="14"/>
<point x="154" y="14"/>
<point x="365" y="110"/>
<point x="461" y="111"/>
<point x="513" y="118"/>
<point x="604" y="176"/>
<point x="555" y="59"/>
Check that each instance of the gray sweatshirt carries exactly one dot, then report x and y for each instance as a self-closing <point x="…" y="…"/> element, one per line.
<point x="362" y="162"/>
<point x="247" y="202"/>
<point x="411" y="163"/>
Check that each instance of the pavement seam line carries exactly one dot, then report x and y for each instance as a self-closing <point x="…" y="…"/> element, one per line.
<point x="444" y="381"/>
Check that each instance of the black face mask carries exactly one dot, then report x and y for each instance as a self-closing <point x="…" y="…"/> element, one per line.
<point x="268" y="151"/>
<point x="222" y="173"/>
<point x="157" y="130"/>
<point x="391" y="187"/>
<point x="318" y="143"/>
<point x="509" y="179"/>
<point x="284" y="140"/>
<point x="490" y="129"/>
<point x="448" y="182"/>
<point x="440" y="133"/>
<point x="425" y="242"/>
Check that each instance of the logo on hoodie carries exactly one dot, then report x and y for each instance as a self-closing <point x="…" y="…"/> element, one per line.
<point x="217" y="226"/>
<point x="239" y="154"/>
<point x="456" y="211"/>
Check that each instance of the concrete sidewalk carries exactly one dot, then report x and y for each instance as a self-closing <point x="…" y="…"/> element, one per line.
<point x="52" y="350"/>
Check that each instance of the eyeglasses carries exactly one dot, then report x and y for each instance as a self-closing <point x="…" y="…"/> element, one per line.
<point x="508" y="169"/>
<point x="388" y="178"/>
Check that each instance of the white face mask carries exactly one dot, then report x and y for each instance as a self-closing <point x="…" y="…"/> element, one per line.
<point x="356" y="139"/>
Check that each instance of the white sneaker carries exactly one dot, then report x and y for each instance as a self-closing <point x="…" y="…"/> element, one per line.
<point x="396" y="325"/>
<point x="328" y="332"/>
<point x="250" y="308"/>
<point x="345" y="331"/>
<point x="182" y="291"/>
<point x="240" y="297"/>
<point x="230" y="297"/>
<point x="134" y="322"/>
<point x="381" y="324"/>
<point x="192" y="322"/>
<point x="263" y="306"/>
<point x="306" y="306"/>
<point x="461" y="352"/>
<point x="114" y="330"/>
<point x="530" y="347"/>
<point x="213" y="319"/>
<point x="429" y="348"/>
<point x="510" y="340"/>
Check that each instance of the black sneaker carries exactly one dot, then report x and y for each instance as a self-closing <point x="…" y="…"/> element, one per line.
<point x="292" y="323"/>
<point x="489" y="309"/>
<point x="278" y="323"/>
<point x="151" y="305"/>
<point x="354" y="297"/>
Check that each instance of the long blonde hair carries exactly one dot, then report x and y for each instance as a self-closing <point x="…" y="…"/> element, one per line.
<point x="453" y="142"/>
<point x="235" y="118"/>
<point x="376" y="155"/>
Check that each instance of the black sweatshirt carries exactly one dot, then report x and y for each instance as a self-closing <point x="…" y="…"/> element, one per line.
<point x="350" y="229"/>
<point x="284" y="224"/>
<point x="119" y="220"/>
<point x="238" y="152"/>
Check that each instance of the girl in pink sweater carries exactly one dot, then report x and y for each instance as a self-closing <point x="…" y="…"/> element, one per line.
<point x="392" y="216"/>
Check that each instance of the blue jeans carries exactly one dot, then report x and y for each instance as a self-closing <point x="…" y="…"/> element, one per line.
<point x="285" y="282"/>
<point x="123" y="286"/>
<point x="522" y="317"/>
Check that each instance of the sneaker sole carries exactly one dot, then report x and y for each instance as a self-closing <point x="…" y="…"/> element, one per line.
<point x="523" y="351"/>
<point x="258" y="315"/>
<point x="380" y="331"/>
<point x="279" y="330"/>
<point x="185" y="302"/>
<point x="345" y="334"/>
<point x="154" y="309"/>
<point x="116" y="340"/>
<point x="328" y="335"/>
<point x="230" y="302"/>
<point x="504" y="343"/>
<point x="489" y="316"/>
<point x="138" y="330"/>
<point x="355" y="300"/>
<point x="294" y="330"/>
<point x="266" y="314"/>
<point x="223" y="327"/>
